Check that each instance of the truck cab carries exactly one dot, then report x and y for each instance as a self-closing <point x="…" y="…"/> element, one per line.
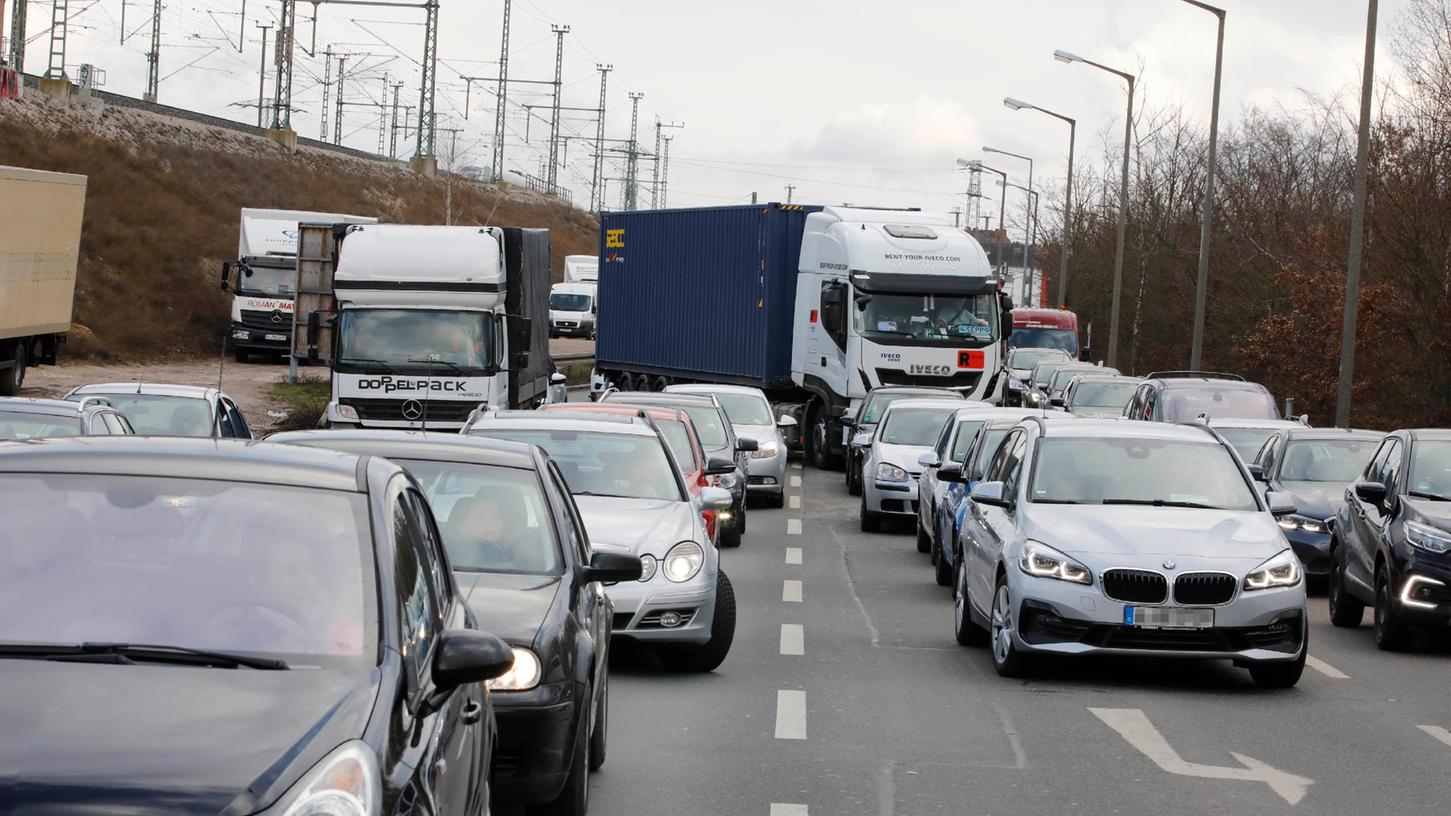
<point x="1045" y="328"/>
<point x="888" y="297"/>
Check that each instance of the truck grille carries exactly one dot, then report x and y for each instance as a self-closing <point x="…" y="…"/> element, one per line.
<point x="1135" y="586"/>
<point x="1204" y="588"/>
<point x="258" y="319"/>
<point x="391" y="410"/>
<point x="962" y="379"/>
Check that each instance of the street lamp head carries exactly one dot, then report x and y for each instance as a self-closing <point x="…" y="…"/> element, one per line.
<point x="991" y="150"/>
<point x="970" y="165"/>
<point x="1066" y="56"/>
<point x="1015" y="104"/>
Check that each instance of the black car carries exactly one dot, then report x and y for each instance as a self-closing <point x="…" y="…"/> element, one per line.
<point x="24" y="418"/>
<point x="864" y="421"/>
<point x="1391" y="545"/>
<point x="198" y="626"/>
<point x="521" y="556"/>
<point x="1313" y="466"/>
<point x="717" y="438"/>
<point x="1185" y="396"/>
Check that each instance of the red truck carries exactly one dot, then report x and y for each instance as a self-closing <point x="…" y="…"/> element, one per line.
<point x="1045" y="328"/>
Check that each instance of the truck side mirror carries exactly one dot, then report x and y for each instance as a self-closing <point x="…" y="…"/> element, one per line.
<point x="226" y="275"/>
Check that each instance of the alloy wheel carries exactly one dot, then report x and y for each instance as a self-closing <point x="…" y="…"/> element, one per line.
<point x="1002" y="625"/>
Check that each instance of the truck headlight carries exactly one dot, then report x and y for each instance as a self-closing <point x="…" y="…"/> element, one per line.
<point x="766" y="450"/>
<point x="890" y="473"/>
<point x="522" y="676"/>
<point x="1042" y="561"/>
<point x="344" y="783"/>
<point x="1298" y="522"/>
<point x="1283" y="570"/>
<point x="1428" y="538"/>
<point x="683" y="561"/>
<point x="347" y="412"/>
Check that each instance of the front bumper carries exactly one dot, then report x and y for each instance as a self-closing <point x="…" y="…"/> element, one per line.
<point x="537" y="730"/>
<point x="1313" y="550"/>
<point x="573" y="328"/>
<point x="638" y="606"/>
<point x="767" y="475"/>
<point x="890" y="498"/>
<point x="1421" y="601"/>
<point x="254" y="338"/>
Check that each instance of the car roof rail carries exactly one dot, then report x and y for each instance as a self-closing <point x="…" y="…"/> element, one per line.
<point x="1176" y="373"/>
<point x="1204" y="426"/>
<point x="87" y="402"/>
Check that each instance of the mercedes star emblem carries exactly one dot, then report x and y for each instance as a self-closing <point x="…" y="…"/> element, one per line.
<point x="276" y="315"/>
<point x="1168" y="565"/>
<point x="412" y="409"/>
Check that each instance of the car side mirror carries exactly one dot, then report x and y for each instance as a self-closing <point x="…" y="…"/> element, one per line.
<point x="715" y="498"/>
<point x="950" y="472"/>
<point x="861" y="440"/>
<point x="847" y="422"/>
<point x="1056" y="402"/>
<point x="1373" y="492"/>
<point x="929" y="460"/>
<point x="611" y="567"/>
<point x="785" y="421"/>
<point x="1257" y="473"/>
<point x="1281" y="504"/>
<point x="990" y="493"/>
<point x="469" y="656"/>
<point x="557" y="379"/>
<point x="718" y="466"/>
<point x="746" y="443"/>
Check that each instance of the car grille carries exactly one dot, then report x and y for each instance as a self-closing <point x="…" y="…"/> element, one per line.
<point x="259" y="319"/>
<point x="962" y="379"/>
<point x="1204" y="588"/>
<point x="1135" y="586"/>
<point x="391" y="410"/>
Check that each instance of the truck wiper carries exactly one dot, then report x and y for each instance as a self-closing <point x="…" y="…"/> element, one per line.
<point x="1163" y="503"/>
<point x="379" y="363"/>
<point x="148" y="652"/>
<point x="1431" y="496"/>
<point x="453" y="366"/>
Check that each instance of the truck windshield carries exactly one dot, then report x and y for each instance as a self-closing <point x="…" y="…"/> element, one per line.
<point x="566" y="302"/>
<point x="416" y="336"/>
<point x="267" y="281"/>
<point x="1043" y="337"/>
<point x="946" y="320"/>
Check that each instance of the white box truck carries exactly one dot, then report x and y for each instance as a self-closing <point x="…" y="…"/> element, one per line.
<point x="581" y="269"/>
<point x="40" y="242"/>
<point x="421" y="325"/>
<point x="262" y="277"/>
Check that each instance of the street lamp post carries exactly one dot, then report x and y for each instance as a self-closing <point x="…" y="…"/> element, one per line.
<point x="1123" y="201"/>
<point x="1196" y="351"/>
<point x="1016" y="104"/>
<point x="974" y="164"/>
<point x="1357" y="228"/>
<point x="1028" y="286"/>
<point x="1028" y="206"/>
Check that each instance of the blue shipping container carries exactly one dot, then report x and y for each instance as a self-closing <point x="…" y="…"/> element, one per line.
<point x="700" y="294"/>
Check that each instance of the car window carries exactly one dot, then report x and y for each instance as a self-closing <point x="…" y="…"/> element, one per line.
<point x="114" y="423"/>
<point x="962" y="443"/>
<point x="1390" y="471"/>
<point x="225" y="428"/>
<point x="745" y="409"/>
<point x="1265" y="456"/>
<point x="1430" y="475"/>
<point x="677" y="438"/>
<point x="1184" y="404"/>
<point x="1112" y="395"/>
<point x="571" y="526"/>
<point x="913" y="426"/>
<point x="160" y="415"/>
<point x="944" y="440"/>
<point x="18" y="425"/>
<point x="239" y="422"/>
<point x="987" y="449"/>
<point x="492" y="519"/>
<point x="710" y="426"/>
<point x="1012" y="464"/>
<point x="1246" y="441"/>
<point x="417" y="606"/>
<point x="1324" y="460"/>
<point x="433" y="553"/>
<point x="1372" y="468"/>
<point x="595" y="463"/>
<point x="998" y="465"/>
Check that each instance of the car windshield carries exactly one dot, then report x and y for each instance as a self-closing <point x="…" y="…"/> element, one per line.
<point x="746" y="409"/>
<point x="991" y="438"/>
<point x="876" y="404"/>
<point x="1326" y="460"/>
<point x="595" y="463"/>
<point x="966" y="430"/>
<point x="1186" y="404"/>
<point x="267" y="281"/>
<point x="284" y="572"/>
<point x="1062" y="376"/>
<point x="1246" y="441"/>
<point x="1116" y="470"/>
<point x="569" y="302"/>
<point x="1028" y="357"/>
<point x="1038" y="337"/>
<point x="398" y="337"/>
<point x="27" y="425"/>
<point x="493" y="519"/>
<point x="157" y="415"/>
<point x="1045" y="371"/>
<point x="1431" y="469"/>
<point x="1113" y="395"/>
<point x="677" y="438"/>
<point x="929" y="319"/>
<point x="914" y="426"/>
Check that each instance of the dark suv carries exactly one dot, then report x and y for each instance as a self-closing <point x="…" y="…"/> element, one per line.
<point x="1391" y="544"/>
<point x="1184" y="396"/>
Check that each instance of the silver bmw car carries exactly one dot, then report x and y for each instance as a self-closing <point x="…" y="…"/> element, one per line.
<point x="1128" y="538"/>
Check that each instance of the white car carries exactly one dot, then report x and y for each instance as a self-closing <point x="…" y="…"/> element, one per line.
<point x="908" y="429"/>
<point x="159" y="409"/>
<point x="752" y="417"/>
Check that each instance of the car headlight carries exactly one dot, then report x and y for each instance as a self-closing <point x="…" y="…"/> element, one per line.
<point x="1281" y="571"/>
<point x="727" y="480"/>
<point x="890" y="473"/>
<point x="1015" y="384"/>
<point x="766" y="450"/>
<point x="348" y="412"/>
<point x="522" y="676"/>
<point x="648" y="565"/>
<point x="1042" y="561"/>
<point x="1427" y="538"/>
<point x="683" y="561"/>
<point x="1298" y="522"/>
<point x="344" y="783"/>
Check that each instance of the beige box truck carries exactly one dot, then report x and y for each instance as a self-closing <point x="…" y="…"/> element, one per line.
<point x="40" y="240"/>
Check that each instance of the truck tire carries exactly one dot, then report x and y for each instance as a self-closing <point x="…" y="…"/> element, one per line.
<point x="240" y="355"/>
<point x="661" y="383"/>
<point x="641" y="383"/>
<point x="818" y="441"/>
<point x="12" y="378"/>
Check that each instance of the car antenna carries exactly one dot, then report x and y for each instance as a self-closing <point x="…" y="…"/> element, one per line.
<point x="221" y="366"/>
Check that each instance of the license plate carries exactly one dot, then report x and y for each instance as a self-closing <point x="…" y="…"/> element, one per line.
<point x="1168" y="617"/>
<point x="278" y="337"/>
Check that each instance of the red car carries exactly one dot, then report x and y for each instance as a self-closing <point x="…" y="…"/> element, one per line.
<point x="679" y="435"/>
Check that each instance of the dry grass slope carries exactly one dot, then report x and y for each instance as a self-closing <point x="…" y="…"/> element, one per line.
<point x="162" y="212"/>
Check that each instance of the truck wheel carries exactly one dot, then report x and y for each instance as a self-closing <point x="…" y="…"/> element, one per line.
<point x="819" y="442"/>
<point x="641" y="383"/>
<point x="12" y="378"/>
<point x="661" y="383"/>
<point x="240" y="355"/>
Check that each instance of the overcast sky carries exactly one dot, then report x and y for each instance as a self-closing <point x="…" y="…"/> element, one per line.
<point x="850" y="100"/>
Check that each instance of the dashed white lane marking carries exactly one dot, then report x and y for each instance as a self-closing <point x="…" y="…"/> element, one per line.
<point x="795" y="481"/>
<point x="1325" y="668"/>
<point x="796" y="465"/>
<point x="791" y="591"/>
<point x="793" y="555"/>
<point x="779" y="809"/>
<point x="790" y="714"/>
<point x="794" y="502"/>
<point x="793" y="526"/>
<point x="1438" y="732"/>
<point x="793" y="639"/>
<point x="1134" y="726"/>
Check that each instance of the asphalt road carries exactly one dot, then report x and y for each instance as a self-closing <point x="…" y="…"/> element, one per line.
<point x="857" y="700"/>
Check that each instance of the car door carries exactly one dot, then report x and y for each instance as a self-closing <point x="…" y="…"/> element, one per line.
<point x="1383" y="515"/>
<point x="927" y="482"/>
<point x="1358" y="537"/>
<point x="826" y="353"/>
<point x="989" y="522"/>
<point x="589" y="604"/>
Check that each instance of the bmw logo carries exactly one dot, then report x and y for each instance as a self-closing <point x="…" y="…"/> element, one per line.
<point x="1168" y="565"/>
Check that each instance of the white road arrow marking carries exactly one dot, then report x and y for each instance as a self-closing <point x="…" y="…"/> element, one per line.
<point x="1438" y="732"/>
<point x="1134" y="726"/>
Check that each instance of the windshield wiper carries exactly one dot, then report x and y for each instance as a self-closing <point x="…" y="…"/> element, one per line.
<point x="149" y="652"/>
<point x="1062" y="501"/>
<point x="1431" y="496"/>
<point x="1163" y="503"/>
<point x="379" y="363"/>
<point x="453" y="366"/>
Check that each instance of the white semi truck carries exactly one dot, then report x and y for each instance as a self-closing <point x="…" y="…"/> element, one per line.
<point x="262" y="278"/>
<point x="421" y="325"/>
<point x="40" y="240"/>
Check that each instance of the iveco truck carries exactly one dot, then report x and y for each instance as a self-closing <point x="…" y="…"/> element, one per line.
<point x="262" y="277"/>
<point x="814" y="305"/>
<point x="421" y="325"/>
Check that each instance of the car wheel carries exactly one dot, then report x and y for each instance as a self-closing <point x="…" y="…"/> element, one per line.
<point x="600" y="733"/>
<point x="871" y="522"/>
<point x="924" y="543"/>
<point x="1391" y="634"/>
<point x="967" y="631"/>
<point x="12" y="378"/>
<point x="573" y="799"/>
<point x="1007" y="659"/>
<point x="777" y="499"/>
<point x="1346" y="610"/>
<point x="731" y="536"/>
<point x="707" y="656"/>
<point x="941" y="570"/>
